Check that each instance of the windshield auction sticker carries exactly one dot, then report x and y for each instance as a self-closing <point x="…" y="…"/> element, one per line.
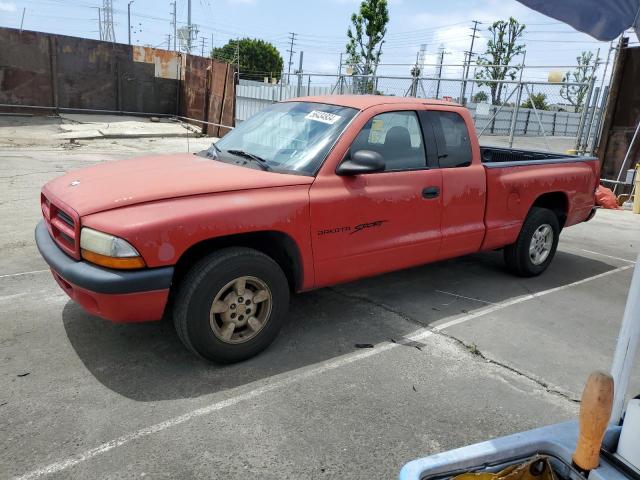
<point x="323" y="117"/>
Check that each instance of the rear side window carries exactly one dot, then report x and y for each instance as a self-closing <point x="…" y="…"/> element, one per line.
<point x="452" y="137"/>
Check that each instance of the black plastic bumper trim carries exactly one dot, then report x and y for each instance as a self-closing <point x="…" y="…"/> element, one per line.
<point x="98" y="279"/>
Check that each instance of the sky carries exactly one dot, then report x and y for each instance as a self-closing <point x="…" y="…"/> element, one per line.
<point x="321" y="27"/>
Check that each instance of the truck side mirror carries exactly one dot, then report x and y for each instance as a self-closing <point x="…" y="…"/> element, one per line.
<point x="362" y="161"/>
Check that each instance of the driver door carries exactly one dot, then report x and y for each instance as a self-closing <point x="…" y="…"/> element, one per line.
<point x="366" y="224"/>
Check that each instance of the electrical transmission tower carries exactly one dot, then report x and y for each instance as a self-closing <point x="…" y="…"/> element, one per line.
<point x="108" y="33"/>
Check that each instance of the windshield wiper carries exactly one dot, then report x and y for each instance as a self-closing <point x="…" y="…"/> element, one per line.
<point x="259" y="160"/>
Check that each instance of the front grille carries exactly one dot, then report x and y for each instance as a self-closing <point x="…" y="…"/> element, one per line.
<point x="65" y="218"/>
<point x="62" y="226"/>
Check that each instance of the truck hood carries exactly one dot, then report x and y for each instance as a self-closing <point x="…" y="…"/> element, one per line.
<point x="157" y="177"/>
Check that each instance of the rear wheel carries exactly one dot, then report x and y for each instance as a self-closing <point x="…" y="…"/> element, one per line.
<point x="536" y="245"/>
<point x="231" y="304"/>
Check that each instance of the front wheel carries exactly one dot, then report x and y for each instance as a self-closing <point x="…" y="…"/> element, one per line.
<point x="536" y="245"/>
<point x="231" y="305"/>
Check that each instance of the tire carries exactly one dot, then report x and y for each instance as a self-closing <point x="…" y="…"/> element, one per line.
<point x="209" y="295"/>
<point x="518" y="257"/>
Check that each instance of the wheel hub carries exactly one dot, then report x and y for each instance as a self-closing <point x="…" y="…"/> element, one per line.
<point x="541" y="244"/>
<point x="240" y="309"/>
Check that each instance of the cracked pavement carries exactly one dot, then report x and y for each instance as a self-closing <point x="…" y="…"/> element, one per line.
<point x="462" y="352"/>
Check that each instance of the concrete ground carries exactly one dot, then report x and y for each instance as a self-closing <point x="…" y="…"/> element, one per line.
<point x="463" y="352"/>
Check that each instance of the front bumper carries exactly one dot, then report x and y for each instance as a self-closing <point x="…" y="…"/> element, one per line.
<point x="116" y="295"/>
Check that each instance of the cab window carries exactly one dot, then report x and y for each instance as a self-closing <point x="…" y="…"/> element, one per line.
<point x="397" y="137"/>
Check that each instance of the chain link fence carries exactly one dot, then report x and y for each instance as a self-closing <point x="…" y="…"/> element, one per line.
<point x="519" y="114"/>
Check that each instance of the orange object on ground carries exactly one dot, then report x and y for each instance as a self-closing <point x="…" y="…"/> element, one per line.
<point x="606" y="198"/>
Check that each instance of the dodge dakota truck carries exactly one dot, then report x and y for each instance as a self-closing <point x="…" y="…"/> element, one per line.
<point x="308" y="193"/>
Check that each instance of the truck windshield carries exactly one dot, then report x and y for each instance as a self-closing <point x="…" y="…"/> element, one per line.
<point x="289" y="136"/>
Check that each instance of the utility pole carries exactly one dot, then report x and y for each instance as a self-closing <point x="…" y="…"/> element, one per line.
<point x="606" y="65"/>
<point x="467" y="66"/>
<point x="415" y="73"/>
<point x="129" y="19"/>
<point x="463" y="83"/>
<point x="473" y="38"/>
<point x="237" y="59"/>
<point x="202" y="51"/>
<point x="596" y="63"/>
<point x="299" y="72"/>
<point x="291" y="52"/>
<point x="189" y="26"/>
<point x="423" y="54"/>
<point x="168" y="41"/>
<point x="24" y="9"/>
<point x="440" y="62"/>
<point x="173" y="22"/>
<point x="99" y="22"/>
<point x="475" y="69"/>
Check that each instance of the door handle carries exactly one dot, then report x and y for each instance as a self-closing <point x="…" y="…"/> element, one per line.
<point x="431" y="192"/>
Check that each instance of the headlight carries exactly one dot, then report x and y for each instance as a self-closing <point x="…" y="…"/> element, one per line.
<point x="108" y="251"/>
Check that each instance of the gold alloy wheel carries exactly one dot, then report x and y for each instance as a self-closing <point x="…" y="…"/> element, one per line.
<point x="240" y="310"/>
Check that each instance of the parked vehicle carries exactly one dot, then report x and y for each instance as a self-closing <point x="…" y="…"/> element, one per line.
<point x="308" y="193"/>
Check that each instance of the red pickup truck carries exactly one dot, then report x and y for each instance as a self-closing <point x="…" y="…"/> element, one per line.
<point x="308" y="193"/>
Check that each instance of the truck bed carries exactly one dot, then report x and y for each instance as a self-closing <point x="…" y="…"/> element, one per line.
<point x="518" y="178"/>
<point x="495" y="157"/>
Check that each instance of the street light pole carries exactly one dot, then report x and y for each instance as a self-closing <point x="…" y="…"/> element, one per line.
<point x="129" y="20"/>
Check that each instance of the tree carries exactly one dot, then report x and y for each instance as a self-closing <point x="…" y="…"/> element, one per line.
<point x="480" y="97"/>
<point x="364" y="47"/>
<point x="583" y="74"/>
<point x="538" y="100"/>
<point x="257" y="58"/>
<point x="502" y="48"/>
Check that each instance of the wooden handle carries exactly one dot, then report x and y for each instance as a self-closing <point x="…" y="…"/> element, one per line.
<point x="595" y="411"/>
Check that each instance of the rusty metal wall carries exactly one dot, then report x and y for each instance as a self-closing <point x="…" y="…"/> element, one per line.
<point x="25" y="68"/>
<point x="208" y="92"/>
<point x="58" y="71"/>
<point x="622" y="114"/>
